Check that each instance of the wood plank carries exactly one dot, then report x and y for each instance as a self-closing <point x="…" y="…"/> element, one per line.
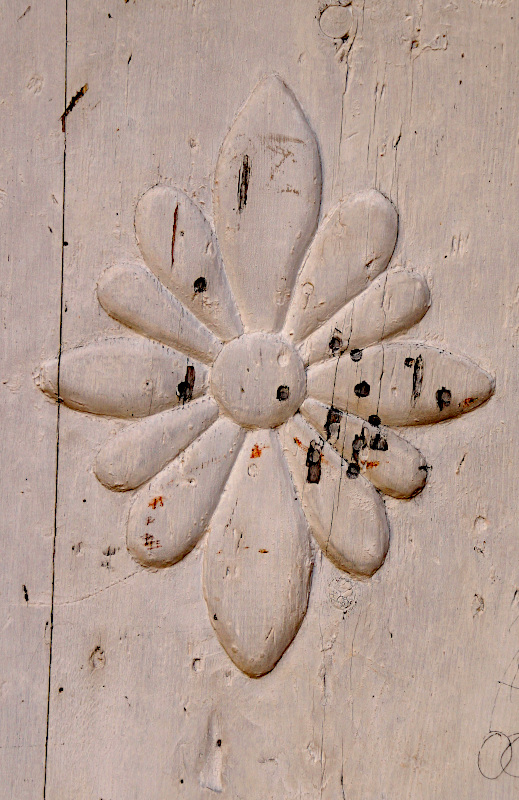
<point x="32" y="74"/>
<point x="388" y="688"/>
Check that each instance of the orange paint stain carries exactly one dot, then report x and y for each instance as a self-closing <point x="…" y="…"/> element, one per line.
<point x="371" y="464"/>
<point x="256" y="451"/>
<point x="157" y="501"/>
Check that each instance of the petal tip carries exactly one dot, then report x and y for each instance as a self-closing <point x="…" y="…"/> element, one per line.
<point x="47" y="378"/>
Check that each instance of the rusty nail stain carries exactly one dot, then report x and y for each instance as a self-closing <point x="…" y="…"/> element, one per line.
<point x="157" y="501"/>
<point x="256" y="451"/>
<point x="150" y="542"/>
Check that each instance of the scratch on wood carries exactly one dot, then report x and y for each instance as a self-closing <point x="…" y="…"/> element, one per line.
<point x="417" y="378"/>
<point x="72" y="104"/>
<point x="243" y="183"/>
<point x="173" y="235"/>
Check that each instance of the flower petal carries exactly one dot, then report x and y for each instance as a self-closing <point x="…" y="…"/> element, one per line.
<point x="394" y="302"/>
<point x="170" y="515"/>
<point x="178" y="245"/>
<point x="346" y="514"/>
<point x="391" y="463"/>
<point x="352" y="246"/>
<point x="137" y="453"/>
<point x="122" y="378"/>
<point x="266" y="198"/>
<point x="257" y="563"/>
<point x="135" y="298"/>
<point x="403" y="383"/>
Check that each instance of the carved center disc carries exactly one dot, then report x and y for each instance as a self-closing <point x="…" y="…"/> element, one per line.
<point x="259" y="380"/>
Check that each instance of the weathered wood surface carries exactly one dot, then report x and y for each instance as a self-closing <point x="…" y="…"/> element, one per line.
<point x="32" y="81"/>
<point x="393" y="682"/>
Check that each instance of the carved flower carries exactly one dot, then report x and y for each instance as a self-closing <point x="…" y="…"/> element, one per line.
<point x="272" y="422"/>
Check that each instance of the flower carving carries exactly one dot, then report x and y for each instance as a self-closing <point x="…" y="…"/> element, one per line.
<point x="266" y="399"/>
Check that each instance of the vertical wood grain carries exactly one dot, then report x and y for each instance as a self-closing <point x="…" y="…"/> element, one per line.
<point x="31" y="197"/>
<point x="388" y="689"/>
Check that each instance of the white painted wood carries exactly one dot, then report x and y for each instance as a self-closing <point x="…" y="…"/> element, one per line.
<point x="391" y="463"/>
<point x="178" y="246"/>
<point x="257" y="559"/>
<point x="122" y="377"/>
<point x="392" y="303"/>
<point x="353" y="246"/>
<point x="31" y="194"/>
<point x="171" y="513"/>
<point x="267" y="191"/>
<point x="132" y="296"/>
<point x="138" y="452"/>
<point x="345" y="513"/>
<point x="409" y="102"/>
<point x="404" y="384"/>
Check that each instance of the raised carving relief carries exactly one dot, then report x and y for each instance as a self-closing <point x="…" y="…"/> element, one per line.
<point x="264" y="388"/>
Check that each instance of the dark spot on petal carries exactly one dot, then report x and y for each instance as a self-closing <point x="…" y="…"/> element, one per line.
<point x="443" y="398"/>
<point x="358" y="443"/>
<point x="409" y="362"/>
<point x="356" y="355"/>
<point x="243" y="183"/>
<point x="417" y="378"/>
<point x="374" y="420"/>
<point x="378" y="442"/>
<point x="200" y="285"/>
<point x="185" y="387"/>
<point x="282" y="392"/>
<point x="362" y="389"/>
<point x="335" y="343"/>
<point x="313" y="462"/>
<point x="332" y="425"/>
<point x="353" y="471"/>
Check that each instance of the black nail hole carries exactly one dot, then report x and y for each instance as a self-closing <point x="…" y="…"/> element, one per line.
<point x="356" y="354"/>
<point x="374" y="420"/>
<point x="200" y="285"/>
<point x="283" y="393"/>
<point x="218" y="742"/>
<point x="362" y="389"/>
